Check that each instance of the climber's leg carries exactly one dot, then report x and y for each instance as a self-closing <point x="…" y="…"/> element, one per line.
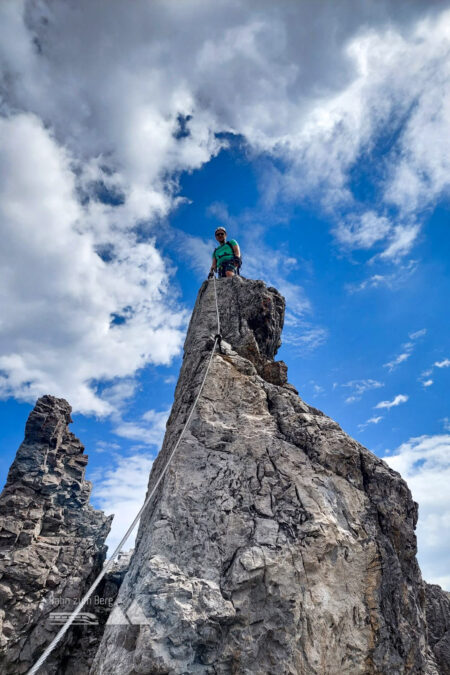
<point x="227" y="270"/>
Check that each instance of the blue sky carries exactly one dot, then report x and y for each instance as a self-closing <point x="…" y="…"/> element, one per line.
<point x="127" y="138"/>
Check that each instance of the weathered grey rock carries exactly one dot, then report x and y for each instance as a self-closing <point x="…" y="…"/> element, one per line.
<point x="275" y="543"/>
<point x="51" y="540"/>
<point x="437" y="603"/>
<point x="78" y="654"/>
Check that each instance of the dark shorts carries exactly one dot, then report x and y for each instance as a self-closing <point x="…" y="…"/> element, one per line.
<point x="227" y="267"/>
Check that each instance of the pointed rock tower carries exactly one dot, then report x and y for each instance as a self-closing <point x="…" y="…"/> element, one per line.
<point x="51" y="544"/>
<point x="275" y="542"/>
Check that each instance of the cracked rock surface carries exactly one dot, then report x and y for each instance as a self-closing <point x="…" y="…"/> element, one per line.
<point x="438" y="618"/>
<point x="51" y="541"/>
<point x="275" y="542"/>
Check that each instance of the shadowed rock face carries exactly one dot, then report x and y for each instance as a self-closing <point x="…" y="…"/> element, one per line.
<point x="438" y="618"/>
<point x="51" y="540"/>
<point x="275" y="543"/>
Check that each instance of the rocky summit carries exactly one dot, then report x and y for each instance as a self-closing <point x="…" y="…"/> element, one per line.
<point x="275" y="542"/>
<point x="51" y="545"/>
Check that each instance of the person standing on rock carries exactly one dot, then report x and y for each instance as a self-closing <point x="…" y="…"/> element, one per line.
<point x="226" y="257"/>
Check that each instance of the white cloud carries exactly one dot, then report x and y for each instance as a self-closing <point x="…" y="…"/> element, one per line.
<point x="171" y="379"/>
<point x="317" y="388"/>
<point x="372" y="420"/>
<point x="119" y="394"/>
<point x="104" y="108"/>
<point x="392" y="280"/>
<point x="442" y="364"/>
<point x="418" y="334"/>
<point x="364" y="232"/>
<point x="105" y="446"/>
<point x="400" y="398"/>
<point x="396" y="362"/>
<point x="373" y="281"/>
<point x="306" y="339"/>
<point x="402" y="240"/>
<point x="149" y="429"/>
<point x="382" y="93"/>
<point x="424" y="462"/>
<point x="200" y="253"/>
<point x="121" y="490"/>
<point x="408" y="348"/>
<point x="359" y="387"/>
<point x="68" y="317"/>
<point x="446" y="423"/>
<point x="445" y="363"/>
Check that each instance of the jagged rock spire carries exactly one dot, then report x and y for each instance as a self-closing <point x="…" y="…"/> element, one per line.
<point x="275" y="543"/>
<point x="51" y="539"/>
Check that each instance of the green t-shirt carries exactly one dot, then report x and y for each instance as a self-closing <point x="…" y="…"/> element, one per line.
<point x="224" y="253"/>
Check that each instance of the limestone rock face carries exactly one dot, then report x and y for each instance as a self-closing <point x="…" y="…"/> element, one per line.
<point x="80" y="650"/>
<point x="275" y="543"/>
<point x="51" y="539"/>
<point x="438" y="619"/>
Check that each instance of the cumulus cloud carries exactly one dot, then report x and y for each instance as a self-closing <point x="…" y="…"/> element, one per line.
<point x="365" y="231"/>
<point x="424" y="462"/>
<point x="104" y="108"/>
<point x="442" y="364"/>
<point x="68" y="317"/>
<point x="149" y="429"/>
<point x="120" y="490"/>
<point x="381" y="94"/>
<point x="397" y="400"/>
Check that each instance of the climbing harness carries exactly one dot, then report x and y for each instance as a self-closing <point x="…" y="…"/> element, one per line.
<point x="233" y="266"/>
<point x="107" y="566"/>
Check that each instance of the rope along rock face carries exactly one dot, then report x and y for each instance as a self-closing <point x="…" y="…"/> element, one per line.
<point x="275" y="543"/>
<point x="58" y="638"/>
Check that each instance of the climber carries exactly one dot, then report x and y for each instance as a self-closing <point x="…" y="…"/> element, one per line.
<point x="226" y="257"/>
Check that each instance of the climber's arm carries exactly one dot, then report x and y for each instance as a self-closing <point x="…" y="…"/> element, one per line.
<point x="213" y="267"/>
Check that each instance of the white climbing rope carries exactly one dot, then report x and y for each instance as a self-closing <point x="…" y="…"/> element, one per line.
<point x="116" y="552"/>
<point x="217" y="306"/>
